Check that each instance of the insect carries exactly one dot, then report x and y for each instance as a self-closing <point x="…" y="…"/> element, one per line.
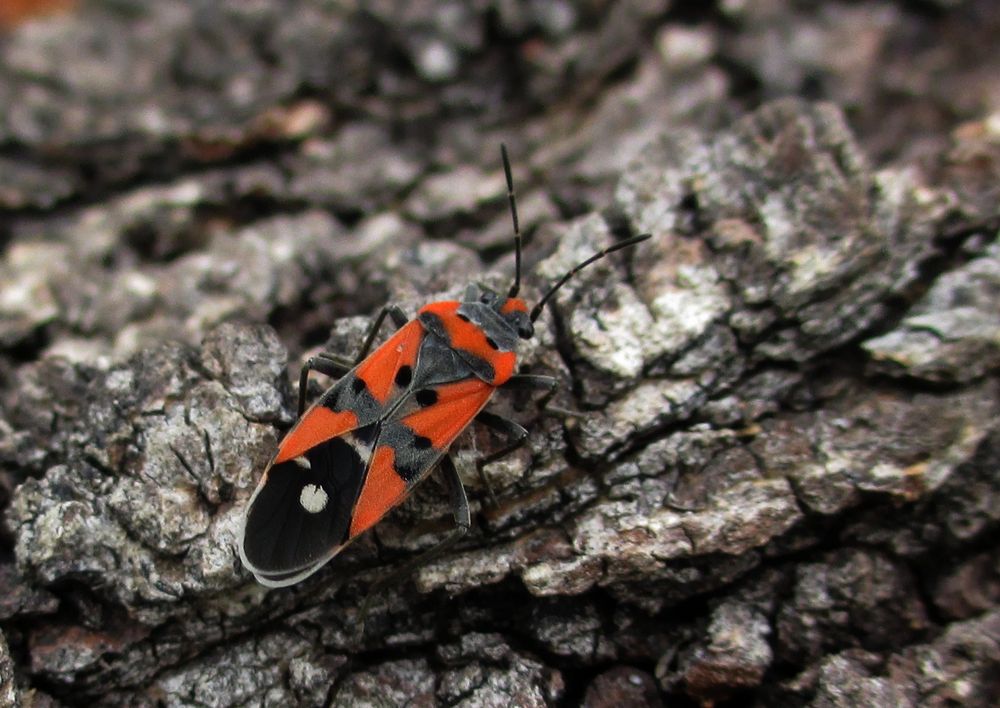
<point x="360" y="449"/>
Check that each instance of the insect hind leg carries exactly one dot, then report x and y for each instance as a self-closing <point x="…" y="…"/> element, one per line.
<point x="463" y="522"/>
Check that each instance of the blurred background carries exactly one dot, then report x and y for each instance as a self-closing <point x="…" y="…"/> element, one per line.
<point x="184" y="120"/>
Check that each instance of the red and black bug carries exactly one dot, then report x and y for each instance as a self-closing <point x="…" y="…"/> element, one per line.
<point x="359" y="450"/>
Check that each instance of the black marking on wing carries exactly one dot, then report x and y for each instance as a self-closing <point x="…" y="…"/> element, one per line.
<point x="426" y="397"/>
<point x="414" y="453"/>
<point x="351" y="394"/>
<point x="366" y="435"/>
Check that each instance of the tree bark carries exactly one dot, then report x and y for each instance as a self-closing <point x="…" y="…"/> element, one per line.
<point x="770" y="474"/>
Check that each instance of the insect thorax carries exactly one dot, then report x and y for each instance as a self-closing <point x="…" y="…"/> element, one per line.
<point x="499" y="316"/>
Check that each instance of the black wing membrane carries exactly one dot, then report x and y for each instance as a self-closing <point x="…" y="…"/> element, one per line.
<point x="301" y="516"/>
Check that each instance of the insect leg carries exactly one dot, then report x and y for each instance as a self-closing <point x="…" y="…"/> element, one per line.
<point x="463" y="521"/>
<point x="336" y="366"/>
<point x="535" y="382"/>
<point x="329" y="364"/>
<point x="399" y="319"/>
<point x="517" y="436"/>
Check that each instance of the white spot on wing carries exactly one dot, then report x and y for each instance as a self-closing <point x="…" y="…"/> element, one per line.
<point x="313" y="498"/>
<point x="302" y="461"/>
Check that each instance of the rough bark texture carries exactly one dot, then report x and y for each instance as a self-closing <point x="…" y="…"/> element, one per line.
<point x="780" y="479"/>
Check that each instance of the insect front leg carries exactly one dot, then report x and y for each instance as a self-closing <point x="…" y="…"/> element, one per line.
<point x="336" y="366"/>
<point x="463" y="522"/>
<point x="398" y="317"/>
<point x="329" y="364"/>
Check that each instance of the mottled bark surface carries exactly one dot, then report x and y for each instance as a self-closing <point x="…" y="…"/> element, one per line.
<point x="779" y="480"/>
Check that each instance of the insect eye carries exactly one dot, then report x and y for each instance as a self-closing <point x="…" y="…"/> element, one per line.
<point x="485" y="298"/>
<point x="526" y="331"/>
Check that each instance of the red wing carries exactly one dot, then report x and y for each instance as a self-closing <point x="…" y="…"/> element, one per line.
<point x="411" y="443"/>
<point x="317" y="425"/>
<point x="361" y="397"/>
<point x="457" y="404"/>
<point x="382" y="490"/>
<point x="388" y="370"/>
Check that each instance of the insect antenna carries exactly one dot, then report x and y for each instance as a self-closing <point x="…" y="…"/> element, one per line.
<point x="537" y="309"/>
<point x="516" y="287"/>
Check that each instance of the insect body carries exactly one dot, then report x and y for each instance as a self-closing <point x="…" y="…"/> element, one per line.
<point x="360" y="449"/>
